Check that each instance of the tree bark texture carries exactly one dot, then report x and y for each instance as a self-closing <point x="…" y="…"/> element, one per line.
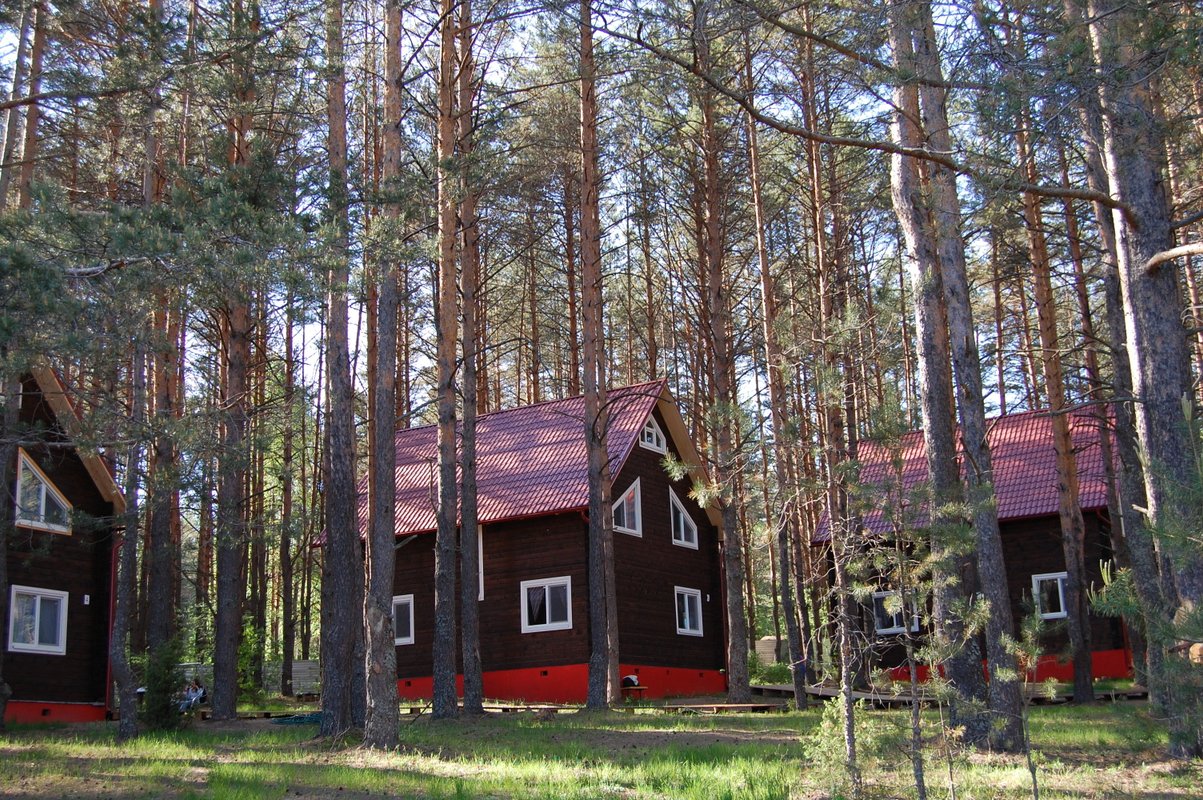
<point x="1156" y="340"/>
<point x="8" y="477"/>
<point x="469" y="281"/>
<point x="127" y="567"/>
<point x="913" y="203"/>
<point x="1005" y="691"/>
<point x="445" y="699"/>
<point x="33" y="116"/>
<point x="603" y="690"/>
<point x="342" y="573"/>
<point x="774" y="360"/>
<point x="382" y="719"/>
<point x="1069" y="512"/>
<point x="718" y="332"/>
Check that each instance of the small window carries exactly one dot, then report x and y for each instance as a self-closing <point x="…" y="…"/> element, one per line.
<point x="685" y="532"/>
<point x="627" y="516"/>
<point x="39" y="504"/>
<point x="888" y="616"/>
<point x="652" y="437"/>
<point x="1049" y="591"/>
<point x="546" y="605"/>
<point x="689" y="611"/>
<point x="37" y="621"/>
<point x="403" y="619"/>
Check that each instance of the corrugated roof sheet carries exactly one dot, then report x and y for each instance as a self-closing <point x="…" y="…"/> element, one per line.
<point x="530" y="460"/>
<point x="1025" y="465"/>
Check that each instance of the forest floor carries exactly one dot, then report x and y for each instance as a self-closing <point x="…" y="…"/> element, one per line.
<point x="1112" y="750"/>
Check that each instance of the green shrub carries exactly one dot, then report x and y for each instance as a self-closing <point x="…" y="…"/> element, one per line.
<point x="163" y="680"/>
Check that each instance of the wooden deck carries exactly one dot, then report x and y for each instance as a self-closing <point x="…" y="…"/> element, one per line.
<point x="880" y="698"/>
<point x="721" y="708"/>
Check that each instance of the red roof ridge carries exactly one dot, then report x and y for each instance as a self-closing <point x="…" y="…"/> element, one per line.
<point x="626" y="390"/>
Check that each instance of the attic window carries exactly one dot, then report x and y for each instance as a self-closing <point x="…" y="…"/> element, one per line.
<point x="628" y="518"/>
<point x="652" y="437"/>
<point x="685" y="532"/>
<point x="1049" y="591"/>
<point x="39" y="504"/>
<point x="37" y="621"/>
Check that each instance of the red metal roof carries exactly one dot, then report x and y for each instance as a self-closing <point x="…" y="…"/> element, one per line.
<point x="1025" y="465"/>
<point x="530" y="460"/>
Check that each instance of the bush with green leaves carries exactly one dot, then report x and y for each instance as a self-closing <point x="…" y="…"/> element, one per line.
<point x="164" y="682"/>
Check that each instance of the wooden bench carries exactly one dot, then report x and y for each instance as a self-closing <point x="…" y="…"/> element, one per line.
<point x="633" y="692"/>
<point x="719" y="708"/>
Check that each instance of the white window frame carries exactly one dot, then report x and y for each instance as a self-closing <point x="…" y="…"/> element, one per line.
<point x="408" y="600"/>
<point x="894" y="628"/>
<point x="1059" y="577"/>
<point x="46" y="486"/>
<point x="675" y="502"/>
<point x="637" y="530"/>
<point x="480" y="564"/>
<point x="685" y="591"/>
<point x="545" y="584"/>
<point x="659" y="443"/>
<point x="24" y="647"/>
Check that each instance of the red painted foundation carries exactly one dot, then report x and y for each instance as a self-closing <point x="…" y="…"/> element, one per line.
<point x="569" y="683"/>
<point x="32" y="712"/>
<point x="1104" y="664"/>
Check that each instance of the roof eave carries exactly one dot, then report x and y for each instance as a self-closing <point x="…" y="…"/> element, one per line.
<point x="56" y="395"/>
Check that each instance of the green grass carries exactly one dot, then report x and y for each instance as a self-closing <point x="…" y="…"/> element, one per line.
<point x="1106" y="751"/>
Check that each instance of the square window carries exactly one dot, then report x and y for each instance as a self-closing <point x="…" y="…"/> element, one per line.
<point x="546" y="604"/>
<point x="39" y="504"/>
<point x="685" y="532"/>
<point x="403" y="619"/>
<point x="689" y="611"/>
<point x="652" y="437"/>
<point x="1049" y="593"/>
<point x="37" y="621"/>
<point x="888" y="616"/>
<point x="627" y="515"/>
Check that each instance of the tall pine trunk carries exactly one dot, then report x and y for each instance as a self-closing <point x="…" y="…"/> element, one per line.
<point x="718" y="333"/>
<point x="9" y="422"/>
<point x="603" y="623"/>
<point x="913" y="204"/>
<point x="1005" y="692"/>
<point x="1069" y="512"/>
<point x="1156" y="340"/>
<point x="342" y="574"/>
<point x="469" y="280"/>
<point x="445" y="703"/>
<point x="127" y="566"/>
<point x="774" y="361"/>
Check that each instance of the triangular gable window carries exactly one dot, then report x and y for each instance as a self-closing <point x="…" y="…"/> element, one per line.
<point x="40" y="504"/>
<point x="685" y="532"/>
<point x="628" y="516"/>
<point x="652" y="437"/>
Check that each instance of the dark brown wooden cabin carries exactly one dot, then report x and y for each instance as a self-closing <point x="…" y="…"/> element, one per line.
<point x="533" y="497"/>
<point x="1026" y="490"/>
<point x="60" y="566"/>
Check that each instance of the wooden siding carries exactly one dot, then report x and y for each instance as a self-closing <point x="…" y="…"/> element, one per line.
<point x="1033" y="547"/>
<point x="651" y="565"/>
<point x="79" y="564"/>
<point x="522" y="550"/>
<point x="554" y="546"/>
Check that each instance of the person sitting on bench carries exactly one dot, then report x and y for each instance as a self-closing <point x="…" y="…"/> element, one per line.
<point x="194" y="695"/>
